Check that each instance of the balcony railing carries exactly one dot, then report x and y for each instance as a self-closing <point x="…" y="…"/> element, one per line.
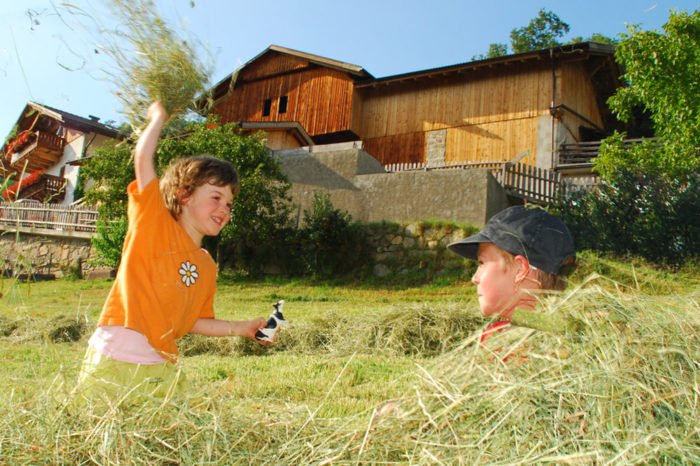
<point x="42" y="151"/>
<point x="49" y="188"/>
<point x="37" y="215"/>
<point x="581" y="154"/>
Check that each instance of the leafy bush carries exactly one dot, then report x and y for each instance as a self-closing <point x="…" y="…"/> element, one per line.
<point x="108" y="241"/>
<point x="650" y="215"/>
<point x="329" y="244"/>
<point x="332" y="243"/>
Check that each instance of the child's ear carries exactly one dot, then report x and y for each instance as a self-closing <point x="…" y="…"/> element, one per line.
<point x="522" y="268"/>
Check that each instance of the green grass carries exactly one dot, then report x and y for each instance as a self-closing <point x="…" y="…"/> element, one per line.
<point x="366" y="375"/>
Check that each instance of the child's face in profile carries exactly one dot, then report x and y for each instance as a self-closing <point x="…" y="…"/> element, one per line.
<point x="495" y="282"/>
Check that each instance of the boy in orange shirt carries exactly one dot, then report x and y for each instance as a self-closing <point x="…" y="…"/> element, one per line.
<point x="520" y="251"/>
<point x="166" y="282"/>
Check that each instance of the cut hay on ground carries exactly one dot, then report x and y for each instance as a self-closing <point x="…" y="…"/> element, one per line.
<point x="624" y="389"/>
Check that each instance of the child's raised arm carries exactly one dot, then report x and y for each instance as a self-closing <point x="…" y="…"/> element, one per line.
<point x="144" y="168"/>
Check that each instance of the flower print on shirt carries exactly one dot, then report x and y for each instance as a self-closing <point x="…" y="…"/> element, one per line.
<point x="189" y="273"/>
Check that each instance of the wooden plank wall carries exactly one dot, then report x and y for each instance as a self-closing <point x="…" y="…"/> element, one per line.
<point x="398" y="148"/>
<point x="280" y="140"/>
<point x="494" y="141"/>
<point x="490" y="117"/>
<point x="320" y="99"/>
<point x="271" y="64"/>
<point x="575" y="90"/>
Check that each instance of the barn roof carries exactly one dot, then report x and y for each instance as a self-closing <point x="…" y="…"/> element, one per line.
<point x="317" y="59"/>
<point x="87" y="125"/>
<point x="356" y="71"/>
<point x="565" y="52"/>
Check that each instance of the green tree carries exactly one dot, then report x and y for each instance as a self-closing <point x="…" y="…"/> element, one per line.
<point x="261" y="207"/>
<point x="662" y="70"/>
<point x="649" y="201"/>
<point x="495" y="50"/>
<point x="109" y="171"/>
<point x="542" y="32"/>
<point x="263" y="204"/>
<point x="595" y="37"/>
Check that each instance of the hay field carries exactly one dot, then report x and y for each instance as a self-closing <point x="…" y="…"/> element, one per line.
<point x="366" y="376"/>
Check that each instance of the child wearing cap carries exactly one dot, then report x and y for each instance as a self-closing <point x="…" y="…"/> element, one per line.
<point x="520" y="251"/>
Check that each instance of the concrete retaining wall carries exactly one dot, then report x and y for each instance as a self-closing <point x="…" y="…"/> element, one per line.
<point x="358" y="184"/>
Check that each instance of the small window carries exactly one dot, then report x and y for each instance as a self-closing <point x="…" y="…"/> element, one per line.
<point x="267" y="106"/>
<point x="283" y="104"/>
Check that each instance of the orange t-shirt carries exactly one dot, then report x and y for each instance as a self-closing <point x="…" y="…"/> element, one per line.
<point x="165" y="281"/>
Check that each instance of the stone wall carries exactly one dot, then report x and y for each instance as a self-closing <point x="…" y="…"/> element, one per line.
<point x="398" y="248"/>
<point x="435" y="146"/>
<point x="401" y="248"/>
<point x="41" y="254"/>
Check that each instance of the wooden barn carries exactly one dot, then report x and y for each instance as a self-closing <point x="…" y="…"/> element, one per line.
<point x="527" y="107"/>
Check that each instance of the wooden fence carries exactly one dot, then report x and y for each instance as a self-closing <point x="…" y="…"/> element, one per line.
<point x="400" y="167"/>
<point x="32" y="214"/>
<point x="537" y="185"/>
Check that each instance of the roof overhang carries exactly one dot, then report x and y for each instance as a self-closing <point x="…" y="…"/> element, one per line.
<point x="86" y="125"/>
<point x="571" y="52"/>
<point x="293" y="127"/>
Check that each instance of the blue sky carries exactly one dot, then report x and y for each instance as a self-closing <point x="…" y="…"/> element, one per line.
<point x="53" y="62"/>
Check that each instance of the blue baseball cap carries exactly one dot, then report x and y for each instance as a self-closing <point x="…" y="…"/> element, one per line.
<point x="535" y="234"/>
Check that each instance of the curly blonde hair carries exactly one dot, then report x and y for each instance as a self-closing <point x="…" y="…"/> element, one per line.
<point x="186" y="174"/>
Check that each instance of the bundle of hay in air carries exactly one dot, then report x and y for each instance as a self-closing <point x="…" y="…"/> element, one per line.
<point x="158" y="65"/>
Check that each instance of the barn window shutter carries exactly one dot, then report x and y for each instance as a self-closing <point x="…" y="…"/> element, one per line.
<point x="283" y="104"/>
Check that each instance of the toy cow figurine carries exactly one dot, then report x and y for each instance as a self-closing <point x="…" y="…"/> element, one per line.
<point x="274" y="323"/>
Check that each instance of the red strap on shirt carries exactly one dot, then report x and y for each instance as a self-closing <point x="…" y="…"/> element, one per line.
<point x="497" y="326"/>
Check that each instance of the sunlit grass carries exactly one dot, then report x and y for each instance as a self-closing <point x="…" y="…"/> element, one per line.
<point x="368" y="374"/>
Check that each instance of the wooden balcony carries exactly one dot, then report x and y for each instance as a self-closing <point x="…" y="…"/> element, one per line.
<point x="43" y="151"/>
<point x="49" y="188"/>
<point x="578" y="157"/>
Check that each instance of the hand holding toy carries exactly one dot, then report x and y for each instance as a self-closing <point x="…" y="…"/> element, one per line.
<point x="274" y="323"/>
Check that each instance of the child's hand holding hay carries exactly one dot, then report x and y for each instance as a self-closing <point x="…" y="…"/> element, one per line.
<point x="161" y="67"/>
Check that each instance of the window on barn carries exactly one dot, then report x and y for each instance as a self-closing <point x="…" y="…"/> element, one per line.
<point x="267" y="106"/>
<point x="283" y="104"/>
